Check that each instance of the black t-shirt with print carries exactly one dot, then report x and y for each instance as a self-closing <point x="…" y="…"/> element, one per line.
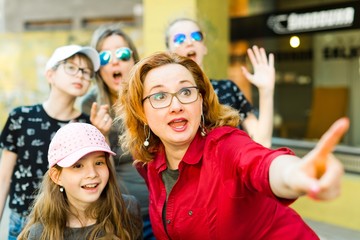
<point x="28" y="132"/>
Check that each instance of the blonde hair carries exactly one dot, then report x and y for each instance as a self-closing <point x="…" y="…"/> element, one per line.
<point x="130" y="112"/>
<point x="171" y="24"/>
<point x="51" y="209"/>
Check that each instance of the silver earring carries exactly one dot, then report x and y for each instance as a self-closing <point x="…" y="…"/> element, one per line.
<point x="202" y="126"/>
<point x="146" y="142"/>
<point x="61" y="189"/>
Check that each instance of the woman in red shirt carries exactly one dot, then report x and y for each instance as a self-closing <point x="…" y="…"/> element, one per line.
<point x="206" y="178"/>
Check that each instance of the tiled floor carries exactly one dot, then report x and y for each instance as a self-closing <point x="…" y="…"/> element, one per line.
<point x="332" y="232"/>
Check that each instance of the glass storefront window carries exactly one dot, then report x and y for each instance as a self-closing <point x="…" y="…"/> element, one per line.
<point x="316" y="83"/>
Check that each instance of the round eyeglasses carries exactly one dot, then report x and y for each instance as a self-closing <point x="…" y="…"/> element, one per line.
<point x="163" y="99"/>
<point x="72" y="69"/>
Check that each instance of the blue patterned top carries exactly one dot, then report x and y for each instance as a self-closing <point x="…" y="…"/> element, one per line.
<point x="230" y="94"/>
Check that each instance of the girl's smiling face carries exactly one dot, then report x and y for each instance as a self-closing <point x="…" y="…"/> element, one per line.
<point x="85" y="180"/>
<point x="178" y="123"/>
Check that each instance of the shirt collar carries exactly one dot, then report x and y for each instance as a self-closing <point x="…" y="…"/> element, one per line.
<point x="192" y="156"/>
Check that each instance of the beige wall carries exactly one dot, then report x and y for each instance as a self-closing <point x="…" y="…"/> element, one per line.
<point x="18" y="12"/>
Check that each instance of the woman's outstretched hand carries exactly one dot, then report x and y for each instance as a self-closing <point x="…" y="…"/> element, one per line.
<point x="319" y="171"/>
<point x="318" y="174"/>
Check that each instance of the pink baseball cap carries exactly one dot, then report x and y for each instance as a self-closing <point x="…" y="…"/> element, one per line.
<point x="73" y="141"/>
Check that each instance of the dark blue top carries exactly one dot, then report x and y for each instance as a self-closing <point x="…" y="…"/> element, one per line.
<point x="230" y="94"/>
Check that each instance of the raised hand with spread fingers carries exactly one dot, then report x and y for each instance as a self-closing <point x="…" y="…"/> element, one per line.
<point x="260" y="129"/>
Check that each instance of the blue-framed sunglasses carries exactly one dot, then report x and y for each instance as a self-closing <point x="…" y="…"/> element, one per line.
<point x="181" y="37"/>
<point x="123" y="54"/>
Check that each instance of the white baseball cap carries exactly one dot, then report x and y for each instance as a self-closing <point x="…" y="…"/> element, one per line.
<point x="73" y="141"/>
<point x="65" y="52"/>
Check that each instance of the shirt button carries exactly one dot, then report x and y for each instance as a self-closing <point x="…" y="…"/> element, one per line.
<point x="190" y="213"/>
<point x="168" y="221"/>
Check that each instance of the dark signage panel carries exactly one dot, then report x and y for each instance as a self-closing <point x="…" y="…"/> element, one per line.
<point x="315" y="19"/>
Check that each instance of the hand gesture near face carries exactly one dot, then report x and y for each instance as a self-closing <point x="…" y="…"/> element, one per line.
<point x="100" y="118"/>
<point x="264" y="72"/>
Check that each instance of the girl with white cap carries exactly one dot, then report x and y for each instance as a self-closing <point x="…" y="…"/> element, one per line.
<point x="79" y="197"/>
<point x="28" y="130"/>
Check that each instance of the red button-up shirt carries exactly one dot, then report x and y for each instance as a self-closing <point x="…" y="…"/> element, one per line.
<point x="222" y="192"/>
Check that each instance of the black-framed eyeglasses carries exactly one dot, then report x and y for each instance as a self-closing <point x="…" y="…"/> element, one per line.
<point x="163" y="99"/>
<point x="72" y="69"/>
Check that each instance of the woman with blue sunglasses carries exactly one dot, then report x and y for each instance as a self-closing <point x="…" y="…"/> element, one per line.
<point x="118" y="55"/>
<point x="185" y="37"/>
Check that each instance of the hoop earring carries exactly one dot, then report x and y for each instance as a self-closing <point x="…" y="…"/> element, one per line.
<point x="146" y="142"/>
<point x="61" y="189"/>
<point x="202" y="126"/>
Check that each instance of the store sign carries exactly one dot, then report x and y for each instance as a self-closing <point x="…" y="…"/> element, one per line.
<point x="311" y="21"/>
<point x="329" y="17"/>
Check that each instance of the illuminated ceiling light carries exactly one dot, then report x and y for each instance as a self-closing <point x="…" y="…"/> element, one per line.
<point x="294" y="41"/>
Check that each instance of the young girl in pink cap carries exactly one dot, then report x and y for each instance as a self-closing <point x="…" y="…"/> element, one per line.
<point x="79" y="197"/>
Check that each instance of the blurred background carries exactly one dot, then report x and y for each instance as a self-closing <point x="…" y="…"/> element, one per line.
<point x="317" y="58"/>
